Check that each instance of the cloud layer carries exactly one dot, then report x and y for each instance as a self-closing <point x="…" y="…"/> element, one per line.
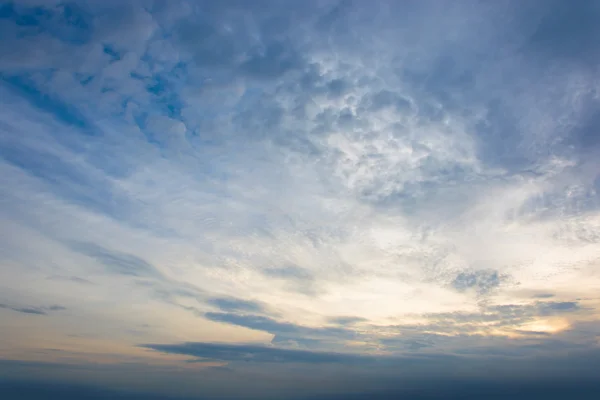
<point x="298" y="182"/>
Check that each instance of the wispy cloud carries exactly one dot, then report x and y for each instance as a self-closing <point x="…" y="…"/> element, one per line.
<point x="232" y="304"/>
<point x="33" y="310"/>
<point x="259" y="354"/>
<point x="117" y="262"/>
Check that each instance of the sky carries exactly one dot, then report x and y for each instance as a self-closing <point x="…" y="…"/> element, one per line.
<point x="314" y="199"/>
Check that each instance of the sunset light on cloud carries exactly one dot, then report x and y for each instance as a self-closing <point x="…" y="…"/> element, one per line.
<point x="299" y="199"/>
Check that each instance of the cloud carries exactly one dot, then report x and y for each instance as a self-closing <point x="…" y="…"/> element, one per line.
<point x="232" y="304"/>
<point x="482" y="281"/>
<point x="346" y="320"/>
<point x="33" y="310"/>
<point x="554" y="307"/>
<point x="509" y="314"/>
<point x="56" y="308"/>
<point x="288" y="334"/>
<point x="249" y="353"/>
<point x="273" y="326"/>
<point x="298" y="278"/>
<point x="117" y="262"/>
<point x="543" y="296"/>
<point x="259" y="171"/>
<point x="75" y="279"/>
<point x="63" y="112"/>
<point x="25" y="310"/>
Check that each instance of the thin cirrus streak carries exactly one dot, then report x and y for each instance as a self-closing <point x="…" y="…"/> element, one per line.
<point x="269" y="193"/>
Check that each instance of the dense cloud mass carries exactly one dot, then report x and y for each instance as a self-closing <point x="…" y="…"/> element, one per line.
<point x="285" y="199"/>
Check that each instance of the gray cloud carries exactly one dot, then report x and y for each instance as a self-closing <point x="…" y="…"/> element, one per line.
<point x="33" y="310"/>
<point x="298" y="278"/>
<point x="507" y="314"/>
<point x="25" y="310"/>
<point x="75" y="279"/>
<point x="482" y="281"/>
<point x="550" y="308"/>
<point x="463" y="328"/>
<point x="230" y="304"/>
<point x="544" y="295"/>
<point x="56" y="308"/>
<point x="249" y="353"/>
<point x="257" y="322"/>
<point x="117" y="262"/>
<point x="346" y="320"/>
<point x="285" y="332"/>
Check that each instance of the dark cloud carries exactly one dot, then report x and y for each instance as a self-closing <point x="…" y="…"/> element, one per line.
<point x="249" y="353"/>
<point x="33" y="310"/>
<point x="117" y="262"/>
<point x="26" y="310"/>
<point x="75" y="279"/>
<point x="550" y="308"/>
<point x="346" y="320"/>
<point x="56" y="308"/>
<point x="410" y="344"/>
<point x="285" y="332"/>
<point x="530" y="351"/>
<point x="543" y="296"/>
<point x="482" y="281"/>
<point x="230" y="304"/>
<point x="434" y="333"/>
<point x="257" y="322"/>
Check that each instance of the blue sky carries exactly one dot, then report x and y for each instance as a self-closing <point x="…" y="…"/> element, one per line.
<point x="285" y="199"/>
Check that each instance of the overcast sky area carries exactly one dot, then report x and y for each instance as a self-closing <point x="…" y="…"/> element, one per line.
<point x="311" y="200"/>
